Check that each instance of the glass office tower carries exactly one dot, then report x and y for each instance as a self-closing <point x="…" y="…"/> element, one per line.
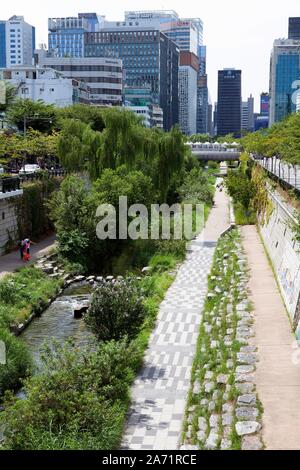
<point x="284" y="78"/>
<point x="229" y="102"/>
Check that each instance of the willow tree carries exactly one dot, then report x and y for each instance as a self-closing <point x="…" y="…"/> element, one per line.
<point x="122" y="138"/>
<point x="92" y="142"/>
<point x="71" y="150"/>
<point x="171" y="159"/>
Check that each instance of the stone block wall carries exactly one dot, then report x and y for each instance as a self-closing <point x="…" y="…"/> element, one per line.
<point x="284" y="253"/>
<point x="8" y="222"/>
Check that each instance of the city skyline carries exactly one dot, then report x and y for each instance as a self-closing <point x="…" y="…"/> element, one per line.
<point x="243" y="40"/>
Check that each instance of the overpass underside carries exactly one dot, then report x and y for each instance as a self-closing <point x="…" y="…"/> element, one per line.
<point x="217" y="156"/>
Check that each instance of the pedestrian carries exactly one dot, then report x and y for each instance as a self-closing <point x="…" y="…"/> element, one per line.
<point x="27" y="246"/>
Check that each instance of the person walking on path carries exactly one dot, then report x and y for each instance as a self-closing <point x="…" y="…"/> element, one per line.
<point x="26" y="249"/>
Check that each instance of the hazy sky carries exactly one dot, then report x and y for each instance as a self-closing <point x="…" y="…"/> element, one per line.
<point x="237" y="33"/>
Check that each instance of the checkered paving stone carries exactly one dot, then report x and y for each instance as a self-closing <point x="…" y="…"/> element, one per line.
<point x="160" y="390"/>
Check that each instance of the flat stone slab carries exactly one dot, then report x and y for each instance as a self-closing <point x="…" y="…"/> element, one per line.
<point x="251" y="443"/>
<point x="246" y="413"/>
<point x="244" y="369"/>
<point x="247" y="427"/>
<point x="212" y="441"/>
<point x="246" y="400"/>
<point x="246" y="387"/>
<point x="247" y="359"/>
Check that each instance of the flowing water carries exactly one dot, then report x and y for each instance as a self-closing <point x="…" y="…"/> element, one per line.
<point x="58" y="323"/>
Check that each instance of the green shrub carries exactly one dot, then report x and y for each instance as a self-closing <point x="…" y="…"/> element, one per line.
<point x="77" y="402"/>
<point x="177" y="248"/>
<point x="18" y="362"/>
<point x="162" y="262"/>
<point x="117" y="311"/>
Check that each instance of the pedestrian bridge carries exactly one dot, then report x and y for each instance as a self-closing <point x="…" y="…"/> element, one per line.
<point x="218" y="152"/>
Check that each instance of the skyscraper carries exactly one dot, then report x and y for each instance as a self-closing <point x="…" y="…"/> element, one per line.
<point x="187" y="33"/>
<point x="248" y="114"/>
<point x="2" y="44"/>
<point x="66" y="36"/>
<point x="149" y="58"/>
<point x="294" y="28"/>
<point x="284" y="78"/>
<point x="17" y="42"/>
<point x="264" y="104"/>
<point x="188" y="71"/>
<point x="229" y="102"/>
<point x="202" y="93"/>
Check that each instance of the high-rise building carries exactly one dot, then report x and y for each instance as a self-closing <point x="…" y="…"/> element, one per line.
<point x="188" y="72"/>
<point x="149" y="58"/>
<point x="103" y="76"/>
<point x="187" y="33"/>
<point x="17" y="42"/>
<point x="294" y="28"/>
<point x="202" y="93"/>
<point x="248" y="114"/>
<point x="2" y="43"/>
<point x="264" y="104"/>
<point x="210" y="118"/>
<point x="284" y="78"/>
<point x="66" y="35"/>
<point x="229" y="102"/>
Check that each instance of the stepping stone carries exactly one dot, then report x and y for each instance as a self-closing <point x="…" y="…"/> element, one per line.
<point x="227" y="419"/>
<point x="245" y="387"/>
<point x="214" y="421"/>
<point x="212" y="441"/>
<point x="247" y="427"/>
<point x="244" y="378"/>
<point x="245" y="369"/>
<point x="246" y="414"/>
<point x="209" y="375"/>
<point x="247" y="359"/>
<point x="225" y="444"/>
<point x="201" y="436"/>
<point x="222" y="379"/>
<point x="228" y="408"/>
<point x="202" y="424"/>
<point x="251" y="443"/>
<point x="246" y="400"/>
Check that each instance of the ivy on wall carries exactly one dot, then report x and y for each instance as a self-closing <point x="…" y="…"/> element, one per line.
<point x="262" y="204"/>
<point x="31" y="208"/>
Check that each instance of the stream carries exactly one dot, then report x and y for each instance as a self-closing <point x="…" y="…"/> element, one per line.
<point x="57" y="322"/>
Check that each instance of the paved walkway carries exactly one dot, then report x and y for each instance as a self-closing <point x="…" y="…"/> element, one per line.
<point x="160" y="391"/>
<point x="9" y="263"/>
<point x="277" y="375"/>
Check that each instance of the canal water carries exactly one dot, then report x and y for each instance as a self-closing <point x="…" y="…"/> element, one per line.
<point x="58" y="323"/>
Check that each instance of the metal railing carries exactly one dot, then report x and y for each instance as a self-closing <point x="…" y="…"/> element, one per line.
<point x="14" y="183"/>
<point x="286" y="172"/>
<point x="8" y="185"/>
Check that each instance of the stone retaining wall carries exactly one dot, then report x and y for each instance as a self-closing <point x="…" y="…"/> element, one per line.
<point x="8" y="223"/>
<point x="284" y="253"/>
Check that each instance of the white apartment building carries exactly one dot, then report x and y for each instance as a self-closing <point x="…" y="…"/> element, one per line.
<point x="20" y="42"/>
<point x="103" y="76"/>
<point x="188" y="74"/>
<point x="45" y="84"/>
